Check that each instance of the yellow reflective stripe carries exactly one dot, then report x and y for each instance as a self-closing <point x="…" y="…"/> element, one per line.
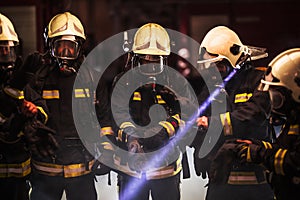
<point x="106" y="131"/>
<point x="169" y="127"/>
<point x="44" y="113"/>
<point x="294" y="130"/>
<point x="82" y="93"/>
<point x="278" y="161"/>
<point x="267" y="145"/>
<point x="244" y="97"/>
<point x="14" y="93"/>
<point x="226" y="122"/>
<point x="248" y="158"/>
<point x="160" y="99"/>
<point x="15" y="170"/>
<point x="126" y="124"/>
<point x="155" y="173"/>
<point x="240" y="178"/>
<point x="137" y="96"/>
<point x="50" y="94"/>
<point x="107" y="146"/>
<point x="67" y="171"/>
<point x="177" y="118"/>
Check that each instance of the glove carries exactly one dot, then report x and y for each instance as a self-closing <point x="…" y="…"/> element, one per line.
<point x="40" y="138"/>
<point x="156" y="138"/>
<point x="26" y="72"/>
<point x="100" y="166"/>
<point x="136" y="157"/>
<point x="222" y="162"/>
<point x="253" y="151"/>
<point x="28" y="109"/>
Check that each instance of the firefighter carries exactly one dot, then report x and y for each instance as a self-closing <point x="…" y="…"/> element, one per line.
<point x="242" y="113"/>
<point x="69" y="169"/>
<point x="282" y="156"/>
<point x="15" y="113"/>
<point x="143" y="127"/>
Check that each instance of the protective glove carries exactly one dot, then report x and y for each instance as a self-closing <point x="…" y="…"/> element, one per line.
<point x="26" y="72"/>
<point x="158" y="138"/>
<point x="136" y="157"/>
<point x="222" y="162"/>
<point x="253" y="150"/>
<point x="28" y="109"/>
<point x="40" y="138"/>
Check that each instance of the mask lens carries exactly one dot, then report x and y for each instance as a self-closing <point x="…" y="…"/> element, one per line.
<point x="65" y="49"/>
<point x="7" y="54"/>
<point x="150" y="65"/>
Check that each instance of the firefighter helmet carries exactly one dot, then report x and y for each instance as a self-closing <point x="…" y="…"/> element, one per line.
<point x="151" y="39"/>
<point x="65" y="24"/>
<point x="223" y="43"/>
<point x="285" y="71"/>
<point x="7" y="31"/>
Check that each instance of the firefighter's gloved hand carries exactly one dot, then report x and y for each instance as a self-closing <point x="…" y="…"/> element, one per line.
<point x="28" y="109"/>
<point x="155" y="137"/>
<point x="222" y="162"/>
<point x="40" y="138"/>
<point x="253" y="150"/>
<point x="201" y="166"/>
<point x="26" y="72"/>
<point x="136" y="155"/>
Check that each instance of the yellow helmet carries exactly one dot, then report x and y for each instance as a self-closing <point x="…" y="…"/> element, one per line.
<point x="65" y="24"/>
<point x="223" y="42"/>
<point x="151" y="39"/>
<point x="7" y="31"/>
<point x="285" y="67"/>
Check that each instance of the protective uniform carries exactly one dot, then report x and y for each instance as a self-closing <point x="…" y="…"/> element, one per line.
<point x="282" y="156"/>
<point x="139" y="175"/>
<point x="69" y="169"/>
<point x="15" y="156"/>
<point x="243" y="113"/>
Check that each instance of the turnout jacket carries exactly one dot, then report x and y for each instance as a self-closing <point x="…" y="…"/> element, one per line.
<point x="131" y="102"/>
<point x="245" y="116"/>
<point x="63" y="99"/>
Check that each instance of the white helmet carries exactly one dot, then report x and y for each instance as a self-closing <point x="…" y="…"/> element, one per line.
<point x="286" y="72"/>
<point x="7" y="31"/>
<point x="222" y="42"/>
<point x="151" y="39"/>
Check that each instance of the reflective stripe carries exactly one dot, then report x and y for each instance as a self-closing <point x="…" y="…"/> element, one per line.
<point x="242" y="178"/>
<point x="169" y="127"/>
<point x="137" y="96"/>
<point x="155" y="173"/>
<point x="160" y="99"/>
<point x="14" y="93"/>
<point x="82" y="93"/>
<point x="107" y="146"/>
<point x="15" y="170"/>
<point x="244" y="97"/>
<point x="267" y="145"/>
<point x="106" y="131"/>
<point x="126" y="124"/>
<point x="121" y="135"/>
<point x="294" y="130"/>
<point x="278" y="161"/>
<point x="177" y="118"/>
<point x="50" y="94"/>
<point x="44" y="113"/>
<point x="67" y="171"/>
<point x="226" y="122"/>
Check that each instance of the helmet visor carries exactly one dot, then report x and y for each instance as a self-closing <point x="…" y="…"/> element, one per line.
<point x="7" y="54"/>
<point x="150" y="65"/>
<point x="65" y="49"/>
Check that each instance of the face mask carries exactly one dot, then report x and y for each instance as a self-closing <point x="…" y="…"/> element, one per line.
<point x="282" y="102"/>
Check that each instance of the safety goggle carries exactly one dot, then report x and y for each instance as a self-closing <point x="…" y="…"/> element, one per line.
<point x="7" y="53"/>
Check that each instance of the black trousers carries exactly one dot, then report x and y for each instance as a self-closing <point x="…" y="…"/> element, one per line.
<point x="52" y="187"/>
<point x="14" y="189"/>
<point x="131" y="188"/>
<point x="239" y="192"/>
